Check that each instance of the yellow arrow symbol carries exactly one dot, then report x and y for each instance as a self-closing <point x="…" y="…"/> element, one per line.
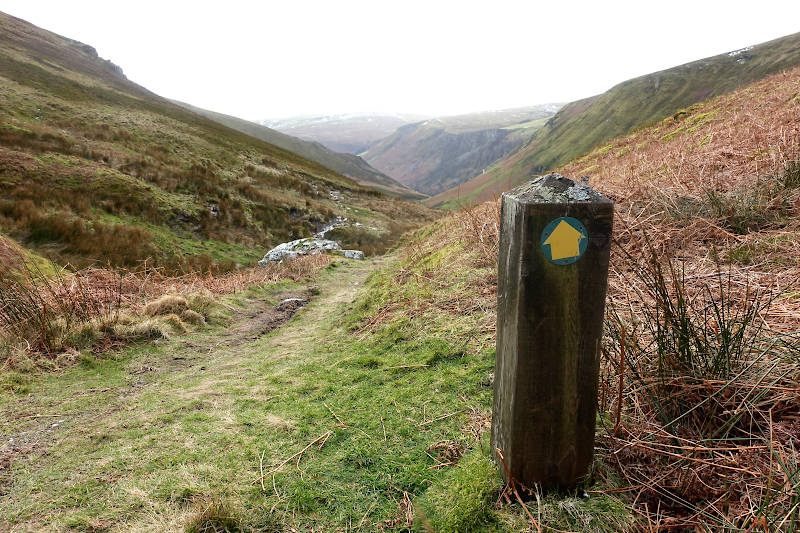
<point x="564" y="241"/>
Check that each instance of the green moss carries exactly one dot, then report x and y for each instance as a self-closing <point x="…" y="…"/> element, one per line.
<point x="461" y="500"/>
<point x="589" y="169"/>
<point x="702" y="118"/>
<point x="59" y="159"/>
<point x="604" y="150"/>
<point x="671" y="135"/>
<point x="14" y="128"/>
<point x="705" y="140"/>
<point x="742" y="254"/>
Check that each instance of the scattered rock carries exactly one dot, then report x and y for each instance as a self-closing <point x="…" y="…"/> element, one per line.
<point x="309" y="246"/>
<point x="351" y="254"/>
<point x="338" y="222"/>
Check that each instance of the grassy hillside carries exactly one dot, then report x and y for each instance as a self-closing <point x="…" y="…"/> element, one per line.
<point x="369" y="410"/>
<point x="580" y="126"/>
<point x="95" y="169"/>
<point x="699" y="369"/>
<point x="440" y="153"/>
<point x="348" y="165"/>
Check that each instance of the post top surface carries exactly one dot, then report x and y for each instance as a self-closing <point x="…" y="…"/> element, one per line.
<point x="555" y="189"/>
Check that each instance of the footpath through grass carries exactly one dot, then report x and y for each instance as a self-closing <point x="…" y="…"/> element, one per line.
<point x="367" y="411"/>
<point x="166" y="436"/>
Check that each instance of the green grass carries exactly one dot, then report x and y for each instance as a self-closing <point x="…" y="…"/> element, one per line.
<point x="462" y="499"/>
<point x="170" y="434"/>
<point x="190" y="431"/>
<point x="170" y="241"/>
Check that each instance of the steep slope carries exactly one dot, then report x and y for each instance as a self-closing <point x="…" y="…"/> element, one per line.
<point x="346" y="164"/>
<point x="437" y="154"/>
<point x="733" y="143"/>
<point x="94" y="168"/>
<point x="715" y="187"/>
<point x="352" y="133"/>
<point x="587" y="123"/>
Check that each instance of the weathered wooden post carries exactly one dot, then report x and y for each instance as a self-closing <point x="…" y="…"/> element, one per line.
<point x="555" y="237"/>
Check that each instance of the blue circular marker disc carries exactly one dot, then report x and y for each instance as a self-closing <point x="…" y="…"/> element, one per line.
<point x="564" y="240"/>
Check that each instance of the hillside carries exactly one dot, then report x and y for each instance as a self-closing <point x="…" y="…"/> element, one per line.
<point x="94" y="168"/>
<point x="370" y="409"/>
<point x="584" y="124"/>
<point x="365" y="405"/>
<point x="351" y="133"/>
<point x="346" y="164"/>
<point x="437" y="154"/>
<point x="698" y="401"/>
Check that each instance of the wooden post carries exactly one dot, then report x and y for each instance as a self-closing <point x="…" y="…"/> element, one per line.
<point x="555" y="238"/>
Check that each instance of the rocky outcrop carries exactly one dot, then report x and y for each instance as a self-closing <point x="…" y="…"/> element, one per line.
<point x="309" y="246"/>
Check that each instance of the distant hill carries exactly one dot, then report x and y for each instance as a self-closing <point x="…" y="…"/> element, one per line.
<point x="584" y="124"/>
<point x="352" y="133"/>
<point x="436" y="154"/>
<point x="96" y="169"/>
<point x="348" y="165"/>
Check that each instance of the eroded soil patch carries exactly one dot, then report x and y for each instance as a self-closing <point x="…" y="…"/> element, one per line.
<point x="261" y="317"/>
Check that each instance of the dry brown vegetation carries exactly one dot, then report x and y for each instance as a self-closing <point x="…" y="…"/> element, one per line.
<point x="700" y="380"/>
<point x="44" y="314"/>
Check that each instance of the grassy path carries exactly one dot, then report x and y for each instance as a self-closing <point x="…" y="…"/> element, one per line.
<point x="147" y="439"/>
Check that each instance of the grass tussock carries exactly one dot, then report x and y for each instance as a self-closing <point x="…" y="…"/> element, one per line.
<point x="214" y="516"/>
<point x="219" y="515"/>
<point x="192" y="317"/>
<point x="463" y="500"/>
<point x="46" y="313"/>
<point x="167" y="304"/>
<point x="698" y="384"/>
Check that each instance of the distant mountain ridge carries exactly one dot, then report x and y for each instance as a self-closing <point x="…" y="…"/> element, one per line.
<point x="581" y="125"/>
<point x="351" y="133"/>
<point x="436" y="154"/>
<point x="346" y="164"/>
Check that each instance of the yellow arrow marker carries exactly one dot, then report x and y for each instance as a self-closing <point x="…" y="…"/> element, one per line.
<point x="564" y="241"/>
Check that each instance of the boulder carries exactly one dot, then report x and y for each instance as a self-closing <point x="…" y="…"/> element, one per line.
<point x="309" y="246"/>
<point x="351" y="254"/>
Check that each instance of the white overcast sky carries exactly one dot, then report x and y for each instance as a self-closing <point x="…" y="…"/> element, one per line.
<point x="273" y="59"/>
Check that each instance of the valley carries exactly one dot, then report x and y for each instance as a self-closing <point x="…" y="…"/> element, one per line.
<point x="156" y="376"/>
<point x="155" y="179"/>
<point x="347" y="164"/>
<point x="351" y="133"/>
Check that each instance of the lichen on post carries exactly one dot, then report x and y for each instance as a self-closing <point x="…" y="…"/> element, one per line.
<point x="555" y="240"/>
